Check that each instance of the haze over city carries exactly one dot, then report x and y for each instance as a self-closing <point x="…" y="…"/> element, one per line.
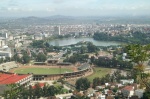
<point x="42" y="8"/>
<point x="74" y="49"/>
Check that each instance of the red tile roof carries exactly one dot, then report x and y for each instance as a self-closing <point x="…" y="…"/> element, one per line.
<point x="129" y="88"/>
<point x="11" y="78"/>
<point x="40" y="84"/>
<point x="109" y="92"/>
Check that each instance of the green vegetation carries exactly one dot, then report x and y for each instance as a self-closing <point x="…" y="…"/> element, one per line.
<point x="41" y="57"/>
<point x="38" y="44"/>
<point x="76" y="58"/>
<point x="133" y="37"/>
<point x="99" y="72"/>
<point x="29" y="92"/>
<point x="42" y="70"/>
<point x="82" y="84"/>
<point x="138" y="54"/>
<point x="111" y="63"/>
<point x="24" y="59"/>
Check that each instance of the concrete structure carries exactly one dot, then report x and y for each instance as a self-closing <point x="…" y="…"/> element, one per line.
<point x="52" y="61"/>
<point x="47" y="77"/>
<point x="5" y="51"/>
<point x="139" y="93"/>
<point x="2" y="42"/>
<point x="4" y="54"/>
<point x="7" y="66"/>
<point x="130" y="81"/>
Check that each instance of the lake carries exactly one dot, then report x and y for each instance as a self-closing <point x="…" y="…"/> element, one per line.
<point x="70" y="41"/>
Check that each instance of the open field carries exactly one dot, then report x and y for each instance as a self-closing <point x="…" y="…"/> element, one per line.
<point x="99" y="72"/>
<point x="41" y="70"/>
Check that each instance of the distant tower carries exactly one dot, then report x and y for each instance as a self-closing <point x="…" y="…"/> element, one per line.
<point x="6" y="36"/>
<point x="57" y="30"/>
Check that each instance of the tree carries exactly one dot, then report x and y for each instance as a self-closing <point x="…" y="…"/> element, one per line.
<point x="51" y="91"/>
<point x="25" y="58"/>
<point x="138" y="54"/>
<point x="45" y="91"/>
<point x="83" y="49"/>
<point x="91" y="48"/>
<point x="12" y="93"/>
<point x="7" y="59"/>
<point x="96" y="81"/>
<point x="82" y="84"/>
<point x="146" y="95"/>
<point x="38" y="44"/>
<point x="41" y="57"/>
<point x="38" y="90"/>
<point x="16" y="58"/>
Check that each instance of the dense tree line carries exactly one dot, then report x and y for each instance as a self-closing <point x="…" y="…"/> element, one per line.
<point x="111" y="63"/>
<point x="76" y="58"/>
<point x="24" y="59"/>
<point x="136" y="37"/>
<point x="21" y="92"/>
<point x="115" y="77"/>
<point x="38" y="44"/>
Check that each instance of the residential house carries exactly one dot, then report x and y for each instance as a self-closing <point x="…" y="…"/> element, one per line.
<point x="127" y="91"/>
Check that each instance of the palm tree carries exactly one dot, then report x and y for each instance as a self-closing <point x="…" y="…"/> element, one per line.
<point x="138" y="54"/>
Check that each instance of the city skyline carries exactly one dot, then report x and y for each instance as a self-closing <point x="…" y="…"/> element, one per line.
<point x="14" y="8"/>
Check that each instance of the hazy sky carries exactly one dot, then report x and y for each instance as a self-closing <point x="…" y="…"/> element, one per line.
<point x="74" y="7"/>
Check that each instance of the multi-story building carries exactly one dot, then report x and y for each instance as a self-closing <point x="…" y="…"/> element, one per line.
<point x="57" y="30"/>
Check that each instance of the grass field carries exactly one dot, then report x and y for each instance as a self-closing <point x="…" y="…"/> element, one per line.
<point x="99" y="72"/>
<point x="42" y="70"/>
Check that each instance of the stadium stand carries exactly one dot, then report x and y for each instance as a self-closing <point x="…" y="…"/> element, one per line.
<point x="7" y="66"/>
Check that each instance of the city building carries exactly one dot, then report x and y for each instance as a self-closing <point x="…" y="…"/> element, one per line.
<point x="2" y="42"/>
<point x="5" y="51"/>
<point x="57" y="30"/>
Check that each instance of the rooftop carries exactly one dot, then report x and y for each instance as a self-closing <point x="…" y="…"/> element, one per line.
<point x="129" y="88"/>
<point x="11" y="78"/>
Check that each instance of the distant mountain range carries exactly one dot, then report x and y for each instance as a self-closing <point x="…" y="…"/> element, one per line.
<point x="59" y="19"/>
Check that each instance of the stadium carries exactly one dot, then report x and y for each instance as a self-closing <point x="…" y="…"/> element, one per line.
<point x="46" y="72"/>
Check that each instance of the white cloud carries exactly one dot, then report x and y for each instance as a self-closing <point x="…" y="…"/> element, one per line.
<point x="50" y="9"/>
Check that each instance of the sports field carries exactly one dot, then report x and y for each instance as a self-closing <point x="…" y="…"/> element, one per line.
<point x="42" y="70"/>
<point x="99" y="72"/>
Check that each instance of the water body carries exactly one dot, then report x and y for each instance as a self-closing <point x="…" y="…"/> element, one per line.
<point x="70" y="41"/>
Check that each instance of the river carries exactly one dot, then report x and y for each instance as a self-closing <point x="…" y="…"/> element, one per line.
<point x="70" y="41"/>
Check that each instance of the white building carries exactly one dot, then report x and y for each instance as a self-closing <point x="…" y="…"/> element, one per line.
<point x="130" y="81"/>
<point x="5" y="51"/>
<point x="5" y="54"/>
<point x="2" y="41"/>
<point x="139" y="93"/>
